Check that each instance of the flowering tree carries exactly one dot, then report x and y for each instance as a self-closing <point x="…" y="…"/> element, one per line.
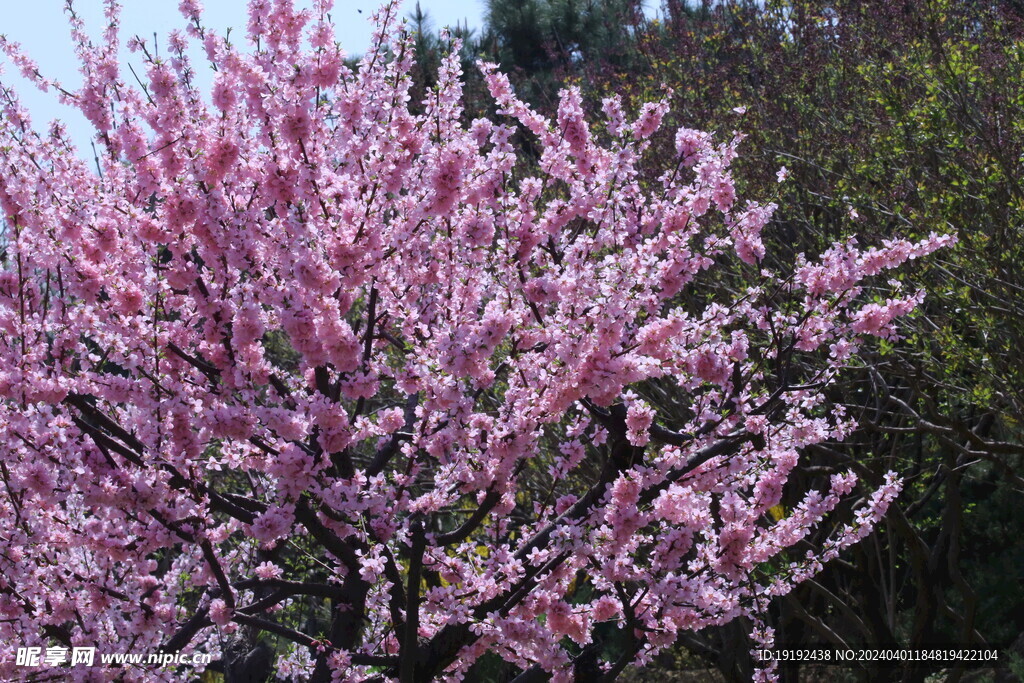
<point x="307" y="362"/>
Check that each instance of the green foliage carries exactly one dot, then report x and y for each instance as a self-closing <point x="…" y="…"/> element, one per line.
<point x="539" y="39"/>
<point x="892" y="118"/>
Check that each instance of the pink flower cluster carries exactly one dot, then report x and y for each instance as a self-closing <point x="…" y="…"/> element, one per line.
<point x="306" y="322"/>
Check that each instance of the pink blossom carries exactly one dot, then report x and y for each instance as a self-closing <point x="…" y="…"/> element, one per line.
<point x="268" y="570"/>
<point x="639" y="418"/>
<point x="301" y="337"/>
<point x="220" y="613"/>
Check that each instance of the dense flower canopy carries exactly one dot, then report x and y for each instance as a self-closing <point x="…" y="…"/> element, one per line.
<point x="303" y="342"/>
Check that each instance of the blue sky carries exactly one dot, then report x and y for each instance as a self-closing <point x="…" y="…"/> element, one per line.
<point x="40" y="27"/>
